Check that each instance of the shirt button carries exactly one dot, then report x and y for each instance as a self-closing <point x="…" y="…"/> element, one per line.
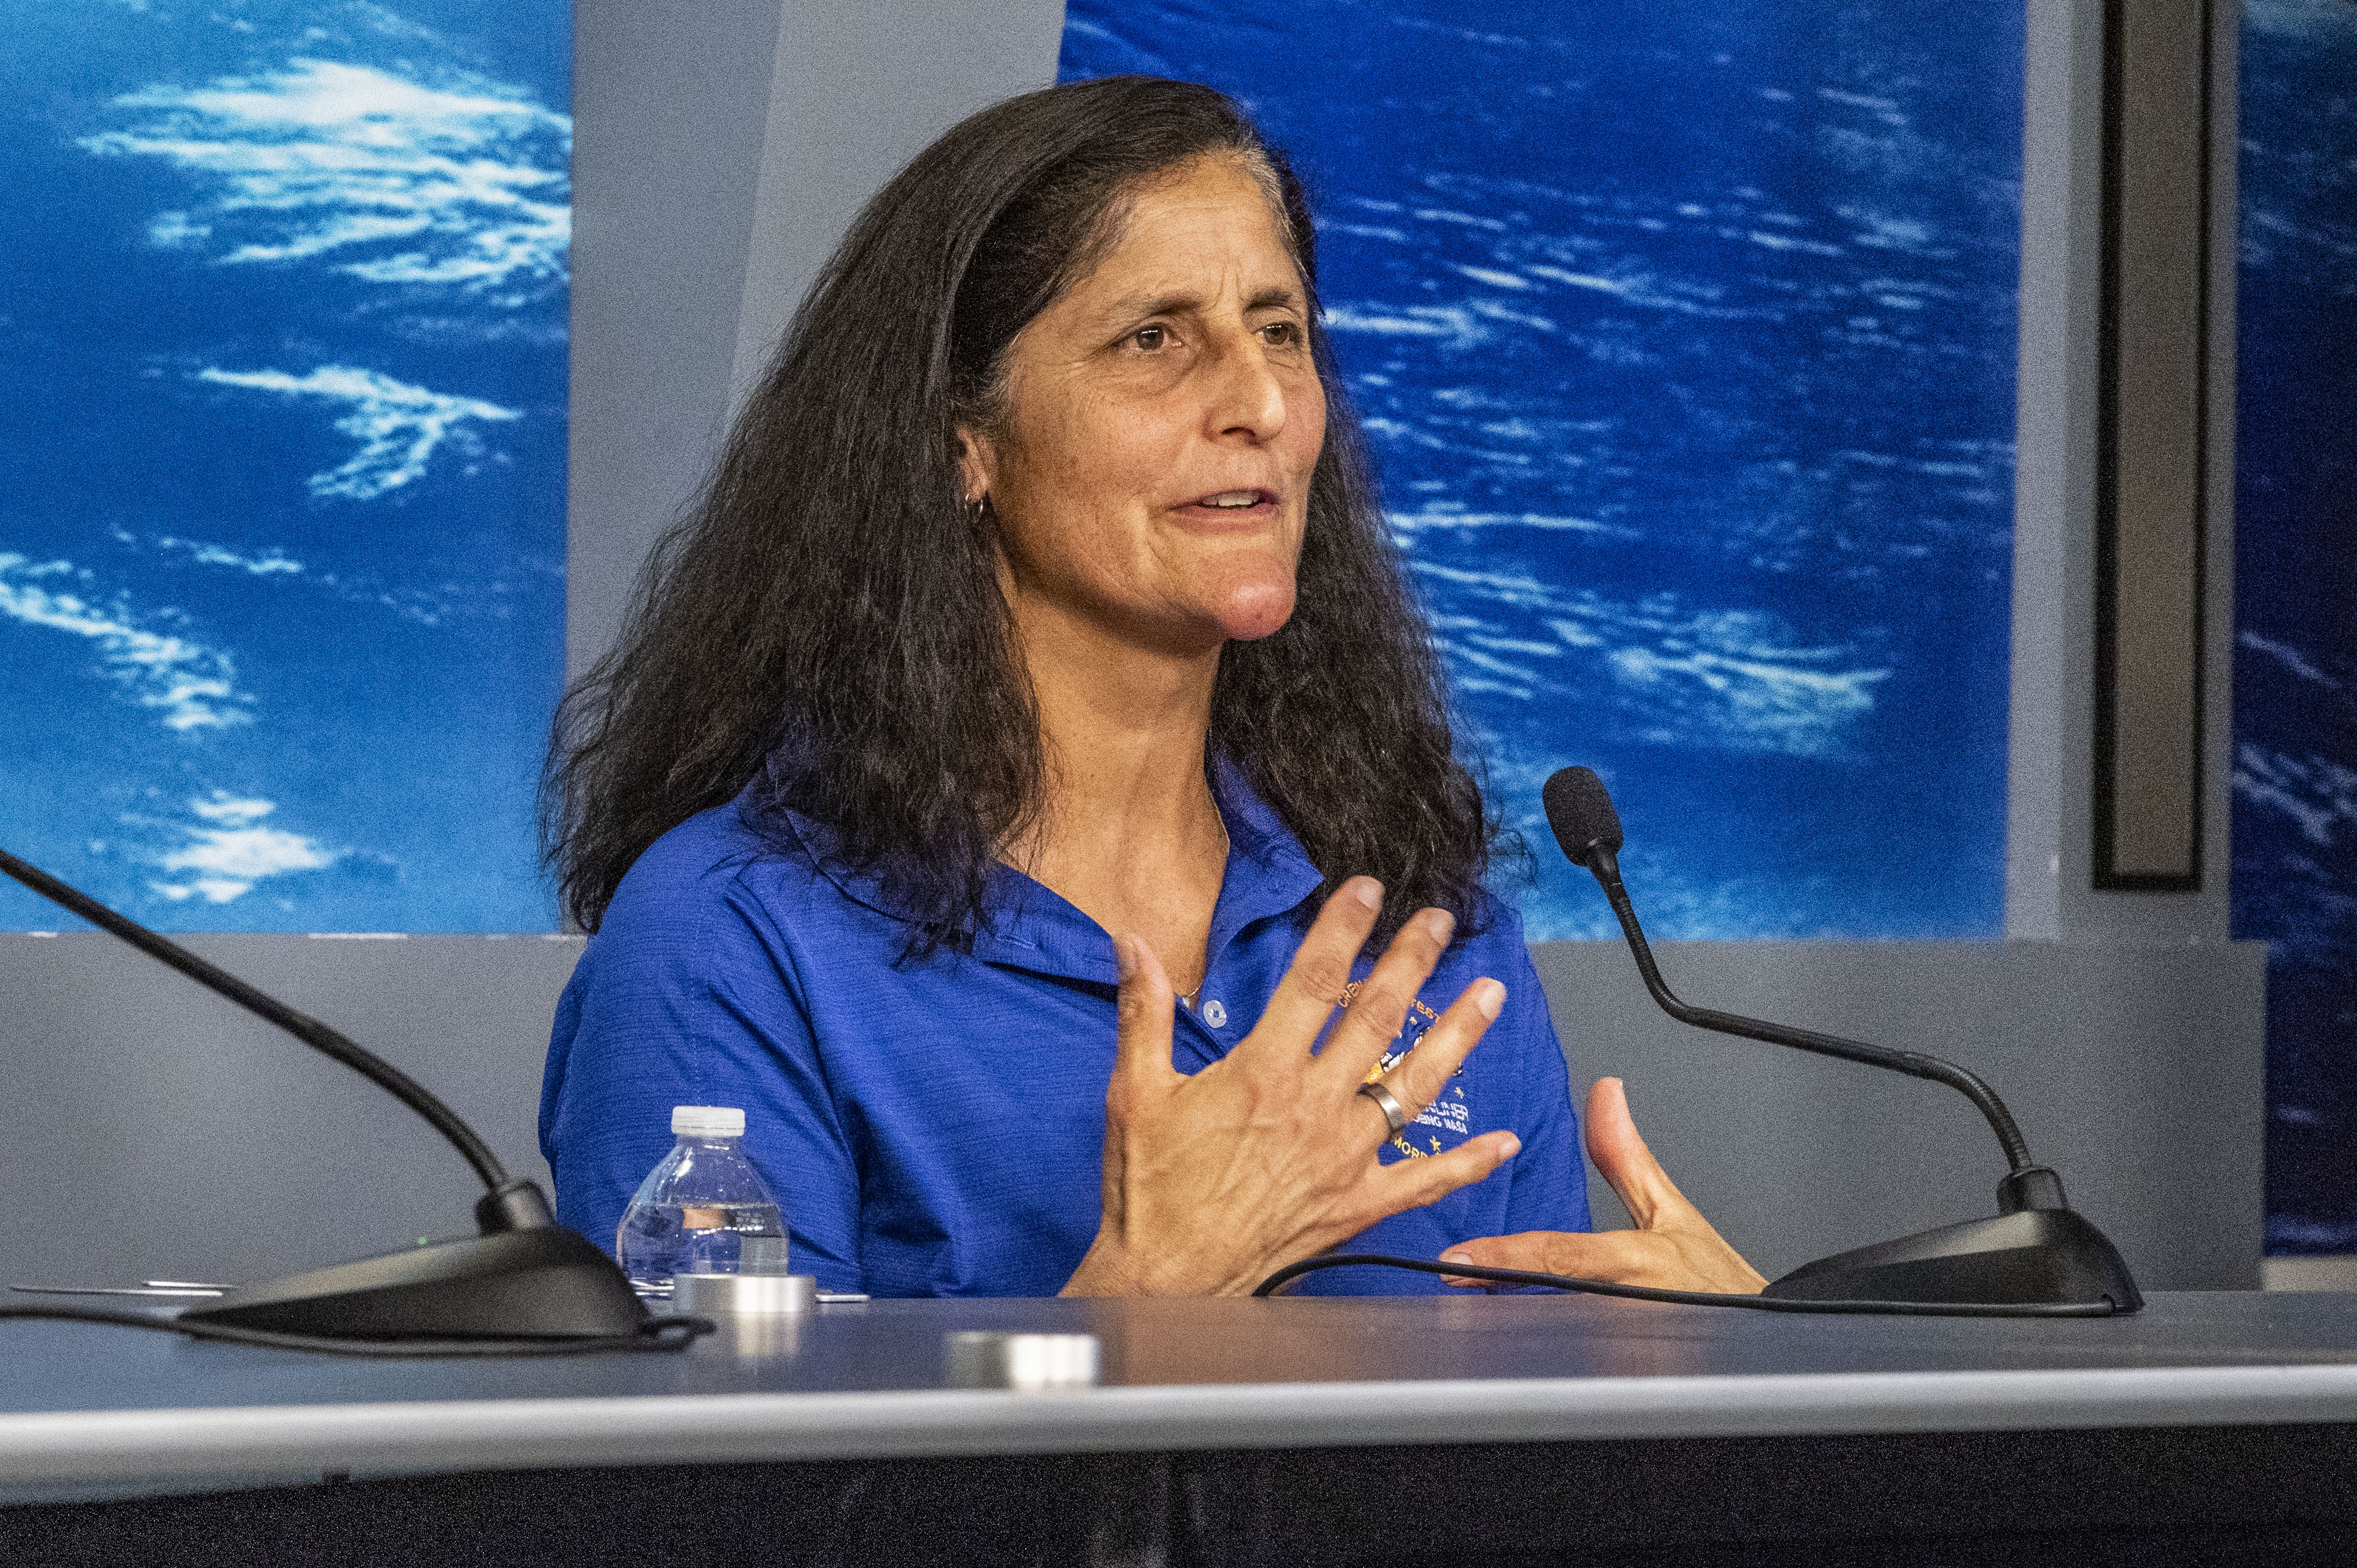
<point x="1213" y="1013"/>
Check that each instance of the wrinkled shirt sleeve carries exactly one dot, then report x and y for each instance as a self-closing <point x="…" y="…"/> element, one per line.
<point x="688" y="995"/>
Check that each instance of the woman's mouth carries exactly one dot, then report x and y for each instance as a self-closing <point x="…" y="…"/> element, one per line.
<point x="1237" y="504"/>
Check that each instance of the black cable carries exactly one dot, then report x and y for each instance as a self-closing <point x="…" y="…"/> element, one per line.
<point x="1292" y="1271"/>
<point x="655" y="1334"/>
<point x="308" y="1030"/>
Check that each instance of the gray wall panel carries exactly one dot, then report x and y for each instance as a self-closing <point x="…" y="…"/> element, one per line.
<point x="861" y="87"/>
<point x="721" y="150"/>
<point x="152" y="1130"/>
<point x="2050" y="850"/>
<point x="2134" y="1070"/>
<point x="670" y="103"/>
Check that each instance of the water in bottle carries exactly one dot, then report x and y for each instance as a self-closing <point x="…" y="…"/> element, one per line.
<point x="704" y="1211"/>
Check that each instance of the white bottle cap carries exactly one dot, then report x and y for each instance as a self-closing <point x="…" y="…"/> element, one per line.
<point x="708" y="1122"/>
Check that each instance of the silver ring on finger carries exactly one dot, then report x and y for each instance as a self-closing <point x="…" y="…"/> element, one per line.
<point x="1388" y="1103"/>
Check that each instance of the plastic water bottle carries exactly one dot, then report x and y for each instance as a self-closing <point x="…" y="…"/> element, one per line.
<point x="704" y="1211"/>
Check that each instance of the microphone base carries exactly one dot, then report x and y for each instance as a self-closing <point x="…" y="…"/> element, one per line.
<point x="2045" y="1256"/>
<point x="545" y="1283"/>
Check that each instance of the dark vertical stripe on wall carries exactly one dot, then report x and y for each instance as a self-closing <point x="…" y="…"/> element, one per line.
<point x="2147" y="774"/>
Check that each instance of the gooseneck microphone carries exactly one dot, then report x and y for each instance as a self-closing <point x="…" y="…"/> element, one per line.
<point x="2037" y="1249"/>
<point x="1580" y="812"/>
<point x="508" y="1205"/>
<point x="525" y="1279"/>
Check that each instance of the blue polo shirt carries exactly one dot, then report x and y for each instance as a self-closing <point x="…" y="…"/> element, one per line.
<point x="938" y="1129"/>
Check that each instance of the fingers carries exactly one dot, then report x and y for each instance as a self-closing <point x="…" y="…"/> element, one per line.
<point x="1379" y="1128"/>
<point x="1142" y="1050"/>
<point x="1692" y="1258"/>
<point x="1372" y="1022"/>
<point x="1603" y="1255"/>
<point x="1422" y="1075"/>
<point x="1672" y="1247"/>
<point x="1419" y="1078"/>
<point x="1532" y="1251"/>
<point x="1624" y="1161"/>
<point x="1413" y="1184"/>
<point x="1312" y="987"/>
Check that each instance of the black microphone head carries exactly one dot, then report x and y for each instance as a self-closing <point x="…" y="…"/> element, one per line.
<point x="1579" y="809"/>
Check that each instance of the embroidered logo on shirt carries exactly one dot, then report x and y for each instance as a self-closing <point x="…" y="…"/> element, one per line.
<point x="1448" y="1114"/>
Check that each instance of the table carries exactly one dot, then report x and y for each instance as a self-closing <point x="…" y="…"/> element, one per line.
<point x="1409" y="1429"/>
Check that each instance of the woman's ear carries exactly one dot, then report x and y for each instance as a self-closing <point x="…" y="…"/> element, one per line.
<point x="977" y="464"/>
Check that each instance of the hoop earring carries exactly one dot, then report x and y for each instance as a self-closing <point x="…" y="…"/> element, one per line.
<point x="978" y="508"/>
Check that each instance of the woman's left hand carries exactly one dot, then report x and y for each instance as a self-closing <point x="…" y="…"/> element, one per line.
<point x="1215" y="1179"/>
<point x="1672" y="1247"/>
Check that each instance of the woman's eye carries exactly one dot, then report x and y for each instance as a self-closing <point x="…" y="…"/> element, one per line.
<point x="1282" y="334"/>
<point x="1150" y="338"/>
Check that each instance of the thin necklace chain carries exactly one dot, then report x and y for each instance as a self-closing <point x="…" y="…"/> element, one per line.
<point x="1226" y="845"/>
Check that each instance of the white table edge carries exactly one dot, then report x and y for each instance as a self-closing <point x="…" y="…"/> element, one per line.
<point x="233" y="1445"/>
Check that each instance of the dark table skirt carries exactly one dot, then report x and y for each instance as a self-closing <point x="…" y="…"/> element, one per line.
<point x="2283" y="1496"/>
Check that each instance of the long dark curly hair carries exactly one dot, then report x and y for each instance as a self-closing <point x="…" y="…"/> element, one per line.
<point x="825" y="624"/>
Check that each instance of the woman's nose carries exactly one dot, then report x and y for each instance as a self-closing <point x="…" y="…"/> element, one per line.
<point x="1246" y="395"/>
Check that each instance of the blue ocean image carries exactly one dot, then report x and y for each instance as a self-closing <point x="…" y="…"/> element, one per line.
<point x="2296" y="592"/>
<point x="1686" y="340"/>
<point x="282" y="545"/>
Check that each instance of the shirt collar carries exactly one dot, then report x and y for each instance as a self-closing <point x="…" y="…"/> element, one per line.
<point x="1268" y="873"/>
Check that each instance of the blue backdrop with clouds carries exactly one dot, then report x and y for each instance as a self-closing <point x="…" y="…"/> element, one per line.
<point x="282" y="543"/>
<point x="1685" y="338"/>
<point x="2296" y="600"/>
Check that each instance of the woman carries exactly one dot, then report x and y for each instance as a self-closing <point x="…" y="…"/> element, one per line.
<point x="1013" y="760"/>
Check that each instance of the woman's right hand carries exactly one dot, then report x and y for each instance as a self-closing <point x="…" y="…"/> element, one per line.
<point x="1214" y="1181"/>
